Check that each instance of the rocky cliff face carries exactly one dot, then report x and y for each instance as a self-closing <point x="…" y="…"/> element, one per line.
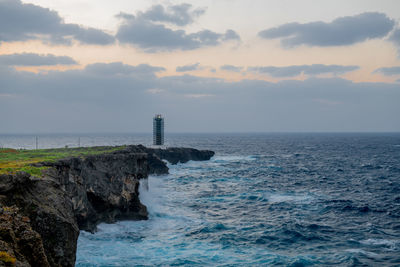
<point x="176" y="155"/>
<point x="103" y="188"/>
<point x="40" y="218"/>
<point x="24" y="245"/>
<point x="173" y="155"/>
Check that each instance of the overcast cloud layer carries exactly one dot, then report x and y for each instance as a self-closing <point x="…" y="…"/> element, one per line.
<point x="118" y="97"/>
<point x="124" y="95"/>
<point x="31" y="59"/>
<point x="389" y="71"/>
<point x="21" y="22"/>
<point x="231" y="68"/>
<point x="292" y="71"/>
<point x="395" y="38"/>
<point x="341" y="31"/>
<point x="190" y="67"/>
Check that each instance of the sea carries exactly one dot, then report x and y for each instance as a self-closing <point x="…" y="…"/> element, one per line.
<point x="271" y="199"/>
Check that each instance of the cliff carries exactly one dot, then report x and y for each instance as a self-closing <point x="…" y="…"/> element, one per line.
<point x="47" y="221"/>
<point x="40" y="218"/>
<point x="173" y="155"/>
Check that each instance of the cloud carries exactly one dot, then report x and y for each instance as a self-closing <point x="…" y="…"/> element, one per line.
<point x="122" y="69"/>
<point x="96" y="84"/>
<point x="340" y="32"/>
<point x="155" y="91"/>
<point x="190" y="67"/>
<point x="395" y="38"/>
<point x="326" y="102"/>
<point x="231" y="35"/>
<point x="180" y="15"/>
<point x="117" y="97"/>
<point x="185" y="83"/>
<point x="197" y="95"/>
<point x="143" y="31"/>
<point x="295" y="70"/>
<point x="390" y="71"/>
<point x="22" y="22"/>
<point x="231" y="68"/>
<point x="30" y="59"/>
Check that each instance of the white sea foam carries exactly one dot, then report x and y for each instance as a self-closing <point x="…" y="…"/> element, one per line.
<point x="233" y="158"/>
<point x="361" y="251"/>
<point x="151" y="193"/>
<point x="276" y="198"/>
<point x="391" y="244"/>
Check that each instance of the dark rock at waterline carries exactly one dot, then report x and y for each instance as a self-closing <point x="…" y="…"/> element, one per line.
<point x="173" y="155"/>
<point x="40" y="218"/>
<point x="177" y="154"/>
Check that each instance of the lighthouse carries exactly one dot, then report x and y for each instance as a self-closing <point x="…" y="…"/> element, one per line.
<point x="158" y="130"/>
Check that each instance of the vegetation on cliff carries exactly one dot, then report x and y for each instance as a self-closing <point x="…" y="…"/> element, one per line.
<point x="13" y="160"/>
<point x="7" y="259"/>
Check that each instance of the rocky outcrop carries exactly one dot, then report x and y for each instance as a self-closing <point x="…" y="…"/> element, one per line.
<point x="173" y="155"/>
<point x="103" y="188"/>
<point x="21" y="245"/>
<point x="41" y="217"/>
<point x="176" y="155"/>
<point x="42" y="220"/>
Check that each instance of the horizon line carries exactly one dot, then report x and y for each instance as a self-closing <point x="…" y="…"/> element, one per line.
<point x="184" y="132"/>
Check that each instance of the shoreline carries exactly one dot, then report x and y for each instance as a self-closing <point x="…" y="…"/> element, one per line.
<point x="76" y="193"/>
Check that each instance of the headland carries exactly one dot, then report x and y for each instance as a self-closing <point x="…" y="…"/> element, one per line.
<point x="47" y="196"/>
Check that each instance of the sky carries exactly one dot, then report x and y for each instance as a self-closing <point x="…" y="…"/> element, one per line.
<point x="69" y="66"/>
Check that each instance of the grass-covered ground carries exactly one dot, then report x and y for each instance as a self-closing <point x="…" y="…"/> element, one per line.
<point x="13" y="160"/>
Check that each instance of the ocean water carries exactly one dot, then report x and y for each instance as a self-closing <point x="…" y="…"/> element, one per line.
<point x="262" y="200"/>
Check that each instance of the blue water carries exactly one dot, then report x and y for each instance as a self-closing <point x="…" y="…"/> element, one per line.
<point x="263" y="200"/>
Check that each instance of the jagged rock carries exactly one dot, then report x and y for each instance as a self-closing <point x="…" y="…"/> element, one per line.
<point x="21" y="243"/>
<point x="50" y="215"/>
<point x="181" y="154"/>
<point x="103" y="188"/>
<point x="173" y="155"/>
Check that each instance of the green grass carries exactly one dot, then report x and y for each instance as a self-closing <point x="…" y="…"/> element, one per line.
<point x="12" y="160"/>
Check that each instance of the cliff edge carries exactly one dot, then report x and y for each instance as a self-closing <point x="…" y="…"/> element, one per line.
<point x="40" y="218"/>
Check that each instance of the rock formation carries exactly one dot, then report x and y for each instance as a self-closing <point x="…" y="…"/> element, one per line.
<point x="103" y="188"/>
<point x="40" y="218"/>
<point x="50" y="223"/>
<point x="173" y="155"/>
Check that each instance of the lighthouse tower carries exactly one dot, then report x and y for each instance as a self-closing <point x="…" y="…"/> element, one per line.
<point x="158" y="130"/>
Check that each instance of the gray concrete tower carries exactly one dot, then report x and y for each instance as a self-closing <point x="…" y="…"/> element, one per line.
<point x="158" y="130"/>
